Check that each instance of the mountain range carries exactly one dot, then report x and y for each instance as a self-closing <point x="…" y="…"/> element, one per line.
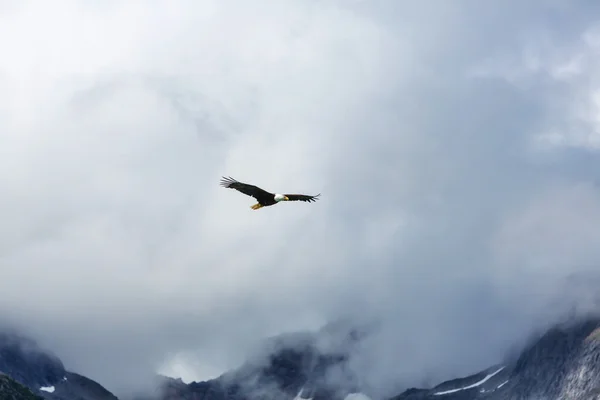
<point x="561" y="363"/>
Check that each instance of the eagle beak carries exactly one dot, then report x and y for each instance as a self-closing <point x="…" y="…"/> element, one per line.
<point x="286" y="198"/>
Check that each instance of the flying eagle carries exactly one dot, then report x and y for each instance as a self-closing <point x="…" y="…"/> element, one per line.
<point x="264" y="198"/>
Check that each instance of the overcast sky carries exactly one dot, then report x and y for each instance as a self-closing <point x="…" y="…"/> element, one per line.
<point x="455" y="145"/>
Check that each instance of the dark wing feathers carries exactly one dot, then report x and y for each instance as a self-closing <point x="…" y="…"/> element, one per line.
<point x="302" y="197"/>
<point x="259" y="193"/>
<point x="245" y="188"/>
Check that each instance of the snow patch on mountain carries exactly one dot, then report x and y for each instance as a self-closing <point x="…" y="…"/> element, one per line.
<point x="49" y="389"/>
<point x="481" y="382"/>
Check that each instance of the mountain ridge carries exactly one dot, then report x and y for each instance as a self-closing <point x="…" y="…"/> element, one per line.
<point x="549" y="367"/>
<point x="561" y="362"/>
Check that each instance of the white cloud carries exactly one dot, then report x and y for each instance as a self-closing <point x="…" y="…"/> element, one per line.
<point x="567" y="67"/>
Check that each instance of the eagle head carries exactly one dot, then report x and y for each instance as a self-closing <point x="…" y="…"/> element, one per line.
<point x="280" y="197"/>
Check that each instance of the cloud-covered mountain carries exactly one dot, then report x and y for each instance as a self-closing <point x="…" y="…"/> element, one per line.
<point x="562" y="362"/>
<point x="24" y="361"/>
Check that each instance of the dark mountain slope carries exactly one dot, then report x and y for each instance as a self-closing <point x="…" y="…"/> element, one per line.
<point x="79" y="387"/>
<point x="25" y="362"/>
<point x="564" y="363"/>
<point x="43" y="373"/>
<point x="13" y="390"/>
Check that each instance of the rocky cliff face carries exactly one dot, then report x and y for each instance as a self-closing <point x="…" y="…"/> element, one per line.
<point x="13" y="390"/>
<point x="561" y="364"/>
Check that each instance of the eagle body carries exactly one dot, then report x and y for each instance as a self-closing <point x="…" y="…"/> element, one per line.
<point x="263" y="197"/>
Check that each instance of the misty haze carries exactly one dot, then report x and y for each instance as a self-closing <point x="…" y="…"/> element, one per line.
<point x="455" y="145"/>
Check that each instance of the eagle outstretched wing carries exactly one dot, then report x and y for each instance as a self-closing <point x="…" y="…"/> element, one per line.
<point x="245" y="188"/>
<point x="302" y="197"/>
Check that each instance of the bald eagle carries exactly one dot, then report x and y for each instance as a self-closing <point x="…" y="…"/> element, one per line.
<point x="264" y="198"/>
